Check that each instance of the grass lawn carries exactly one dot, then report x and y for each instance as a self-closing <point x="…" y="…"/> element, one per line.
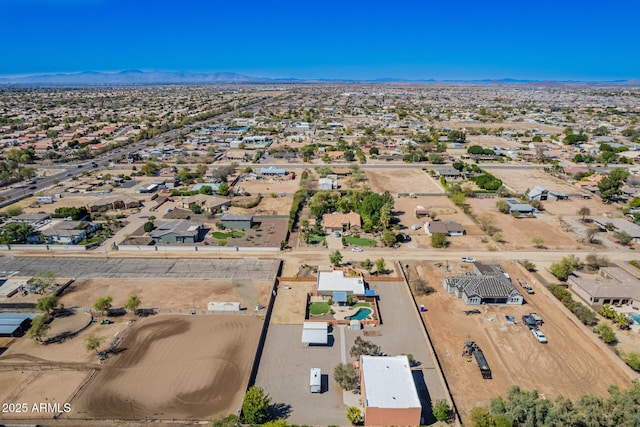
<point x="362" y="304"/>
<point x="318" y="308"/>
<point x="314" y="239"/>
<point x="232" y="233"/>
<point x="360" y="241"/>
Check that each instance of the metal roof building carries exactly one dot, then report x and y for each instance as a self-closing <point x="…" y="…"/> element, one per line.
<point x="15" y="324"/>
<point x="389" y="394"/>
<point x="315" y="333"/>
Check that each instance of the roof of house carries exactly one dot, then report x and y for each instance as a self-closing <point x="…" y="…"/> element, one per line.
<point x="621" y="224"/>
<point x="487" y="282"/>
<point x="331" y="281"/>
<point x="179" y="227"/>
<point x="521" y="207"/>
<point x="445" y="227"/>
<point x="387" y="382"/>
<point x="536" y="191"/>
<point x="31" y="217"/>
<point x="237" y="217"/>
<point x="64" y="229"/>
<point x="338" y="220"/>
<point x="206" y="200"/>
<point x="272" y="170"/>
<point x="612" y="282"/>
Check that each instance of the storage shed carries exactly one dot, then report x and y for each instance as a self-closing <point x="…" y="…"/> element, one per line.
<point x="237" y="221"/>
<point x="15" y="324"/>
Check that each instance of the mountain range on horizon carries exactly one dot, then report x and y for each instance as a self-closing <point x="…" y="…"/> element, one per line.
<point x="137" y="77"/>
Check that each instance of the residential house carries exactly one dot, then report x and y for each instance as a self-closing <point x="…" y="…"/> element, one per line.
<point x="450" y="228"/>
<point x="113" y="203"/>
<point x="35" y="220"/>
<point x="518" y="209"/>
<point x="273" y="171"/>
<point x="619" y="225"/>
<point x="68" y="232"/>
<point x="340" y="222"/>
<point x="450" y="173"/>
<point x="487" y="284"/>
<point x="542" y="194"/>
<point x="388" y="391"/>
<point x="612" y="285"/>
<point x="334" y="284"/>
<point x="177" y="231"/>
<point x="209" y="204"/>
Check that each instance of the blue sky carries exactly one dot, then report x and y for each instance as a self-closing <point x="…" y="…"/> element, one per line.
<point x="559" y="40"/>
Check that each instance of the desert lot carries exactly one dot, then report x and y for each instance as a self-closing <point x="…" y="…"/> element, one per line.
<point x="401" y="181"/>
<point x="188" y="367"/>
<point x="518" y="233"/>
<point x="569" y="365"/>
<point x="521" y="179"/>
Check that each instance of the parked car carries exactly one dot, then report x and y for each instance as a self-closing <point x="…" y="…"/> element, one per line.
<point x="539" y="336"/>
<point x="468" y="259"/>
<point x="356" y="249"/>
<point x="338" y="234"/>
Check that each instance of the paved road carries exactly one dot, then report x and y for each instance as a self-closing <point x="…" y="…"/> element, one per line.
<point x="225" y="269"/>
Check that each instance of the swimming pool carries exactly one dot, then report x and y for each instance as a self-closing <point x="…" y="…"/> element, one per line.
<point x="635" y="317"/>
<point x="360" y="314"/>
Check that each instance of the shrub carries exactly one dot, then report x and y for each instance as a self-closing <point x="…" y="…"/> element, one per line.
<point x="633" y="360"/>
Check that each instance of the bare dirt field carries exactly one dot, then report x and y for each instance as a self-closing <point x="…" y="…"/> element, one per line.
<point x="522" y="179"/>
<point x="167" y="370"/>
<point x="445" y="210"/>
<point x="504" y="125"/>
<point x="569" y="365"/>
<point x="492" y="141"/>
<point x="279" y="205"/>
<point x="167" y="294"/>
<point x="37" y="387"/>
<point x="518" y="233"/>
<point x="265" y="186"/>
<point x="401" y="181"/>
<point x="291" y="305"/>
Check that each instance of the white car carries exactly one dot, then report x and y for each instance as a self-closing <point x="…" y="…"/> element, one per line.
<point x="356" y="249"/>
<point x="468" y="259"/>
<point x="539" y="336"/>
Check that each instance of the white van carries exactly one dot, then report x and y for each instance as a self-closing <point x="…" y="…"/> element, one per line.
<point x="315" y="382"/>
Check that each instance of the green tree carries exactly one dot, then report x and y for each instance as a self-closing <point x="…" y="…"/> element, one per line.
<point x="255" y="406"/>
<point x="605" y="332"/>
<point x="103" y="304"/>
<point x="132" y="304"/>
<point x="47" y="303"/>
<point x="17" y="232"/>
<point x="92" y="343"/>
<point x="388" y="238"/>
<point x="335" y="257"/>
<point x="538" y="242"/>
<point x="380" y="266"/>
<point x="441" y="410"/>
<point x="223" y="190"/>
<point x="610" y="186"/>
<point x="458" y="199"/>
<point x="537" y="204"/>
<point x="561" y="270"/>
<point x="43" y="280"/>
<point x="346" y="375"/>
<point x="14" y="211"/>
<point x="633" y="360"/>
<point x="39" y="327"/>
<point x="502" y="206"/>
<point x="148" y="227"/>
<point x="385" y="215"/>
<point x="439" y="240"/>
<point x="353" y="414"/>
<point x="529" y="266"/>
<point x="363" y="347"/>
<point x="623" y="237"/>
<point x="150" y="168"/>
<point x="367" y="265"/>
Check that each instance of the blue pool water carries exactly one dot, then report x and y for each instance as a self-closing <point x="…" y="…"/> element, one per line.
<point x="635" y="317"/>
<point x="360" y="315"/>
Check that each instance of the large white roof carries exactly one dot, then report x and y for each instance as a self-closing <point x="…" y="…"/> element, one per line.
<point x="387" y="382"/>
<point x="331" y="281"/>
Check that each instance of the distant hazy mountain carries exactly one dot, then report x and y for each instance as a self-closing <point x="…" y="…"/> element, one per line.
<point x="132" y="77"/>
<point x="137" y="77"/>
